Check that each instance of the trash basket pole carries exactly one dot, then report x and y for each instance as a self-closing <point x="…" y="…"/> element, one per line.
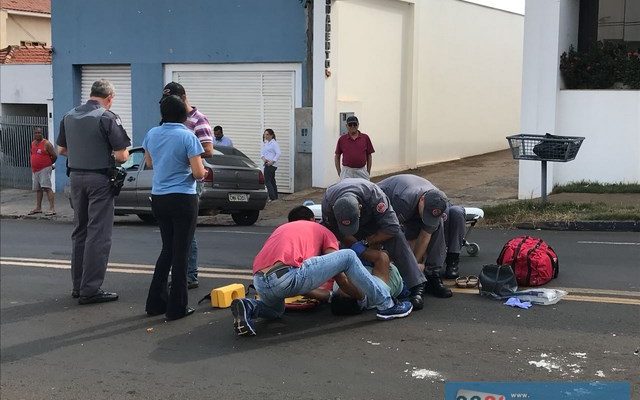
<point x="543" y="188"/>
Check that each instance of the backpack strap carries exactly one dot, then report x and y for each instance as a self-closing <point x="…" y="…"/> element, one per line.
<point x="517" y="252"/>
<point x="500" y="259"/>
<point x="555" y="263"/>
<point x="534" y="248"/>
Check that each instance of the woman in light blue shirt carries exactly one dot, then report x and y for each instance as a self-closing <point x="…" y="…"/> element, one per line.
<point x="270" y="154"/>
<point x="173" y="152"/>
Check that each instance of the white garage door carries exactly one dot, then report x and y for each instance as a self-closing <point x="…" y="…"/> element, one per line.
<point x="245" y="103"/>
<point x="120" y="77"/>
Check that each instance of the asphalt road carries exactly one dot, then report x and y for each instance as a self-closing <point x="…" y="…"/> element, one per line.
<point x="54" y="349"/>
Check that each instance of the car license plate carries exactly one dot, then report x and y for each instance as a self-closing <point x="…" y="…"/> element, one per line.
<point x="238" y="197"/>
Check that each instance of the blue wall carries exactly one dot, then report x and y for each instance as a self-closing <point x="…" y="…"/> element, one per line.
<point x="150" y="33"/>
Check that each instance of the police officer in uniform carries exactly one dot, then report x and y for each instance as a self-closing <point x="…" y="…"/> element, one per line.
<point x="434" y="228"/>
<point x="355" y="209"/>
<point x="90" y="135"/>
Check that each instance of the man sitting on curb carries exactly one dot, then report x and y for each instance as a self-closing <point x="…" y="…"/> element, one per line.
<point x="431" y="225"/>
<point x="300" y="256"/>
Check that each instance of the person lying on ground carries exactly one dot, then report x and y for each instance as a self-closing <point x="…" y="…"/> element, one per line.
<point x="297" y="257"/>
<point x="375" y="260"/>
<point x="342" y="290"/>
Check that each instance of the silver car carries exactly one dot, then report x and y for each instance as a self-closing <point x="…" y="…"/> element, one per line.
<point x="234" y="185"/>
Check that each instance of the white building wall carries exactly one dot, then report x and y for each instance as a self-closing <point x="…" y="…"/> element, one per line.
<point x="430" y="80"/>
<point x="25" y="83"/>
<point x="610" y="122"/>
<point x="469" y="79"/>
<point x="322" y="155"/>
<point x="540" y="84"/>
<point x="368" y="56"/>
<point x="605" y="118"/>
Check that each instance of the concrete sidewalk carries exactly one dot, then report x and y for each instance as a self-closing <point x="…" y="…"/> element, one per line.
<point x="476" y="181"/>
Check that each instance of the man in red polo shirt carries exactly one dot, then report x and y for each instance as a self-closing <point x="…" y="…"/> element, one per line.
<point x="355" y="148"/>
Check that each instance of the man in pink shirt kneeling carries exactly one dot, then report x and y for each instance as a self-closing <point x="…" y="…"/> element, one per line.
<point x="298" y="257"/>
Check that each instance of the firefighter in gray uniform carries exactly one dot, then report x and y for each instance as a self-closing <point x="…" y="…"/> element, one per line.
<point x="90" y="135"/>
<point x="355" y="209"/>
<point x="434" y="228"/>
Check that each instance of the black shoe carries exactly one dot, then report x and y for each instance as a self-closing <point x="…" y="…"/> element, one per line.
<point x="193" y="284"/>
<point x="100" y="297"/>
<point x="437" y="288"/>
<point x="152" y="313"/>
<point x="451" y="269"/>
<point x="187" y="311"/>
<point x="417" y="297"/>
<point x="75" y="294"/>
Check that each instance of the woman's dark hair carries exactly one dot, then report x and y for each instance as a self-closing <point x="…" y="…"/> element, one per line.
<point x="271" y="132"/>
<point x="173" y="109"/>
<point x="301" y="213"/>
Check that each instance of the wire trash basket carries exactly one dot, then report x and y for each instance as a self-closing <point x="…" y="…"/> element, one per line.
<point x="544" y="147"/>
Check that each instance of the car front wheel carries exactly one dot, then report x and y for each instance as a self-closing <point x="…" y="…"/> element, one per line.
<point x="245" y="218"/>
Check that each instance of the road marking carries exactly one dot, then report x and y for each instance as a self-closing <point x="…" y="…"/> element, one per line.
<point x="66" y="264"/>
<point x="575" y="294"/>
<point x="451" y="284"/>
<point x="589" y="299"/>
<point x="609" y="300"/>
<point x="612" y="243"/>
<point x="600" y="291"/>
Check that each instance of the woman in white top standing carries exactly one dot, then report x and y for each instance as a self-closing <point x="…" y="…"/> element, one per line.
<point x="270" y="154"/>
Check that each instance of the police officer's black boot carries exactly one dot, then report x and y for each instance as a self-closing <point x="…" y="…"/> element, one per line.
<point x="416" y="296"/>
<point x="451" y="266"/>
<point x="436" y="287"/>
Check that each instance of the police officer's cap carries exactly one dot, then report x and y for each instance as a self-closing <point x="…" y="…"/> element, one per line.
<point x="435" y="204"/>
<point x="347" y="212"/>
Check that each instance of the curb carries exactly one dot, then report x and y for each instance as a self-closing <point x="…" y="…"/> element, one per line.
<point x="36" y="217"/>
<point x="606" y="226"/>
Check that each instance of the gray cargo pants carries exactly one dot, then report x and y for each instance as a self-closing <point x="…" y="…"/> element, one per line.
<point x="448" y="238"/>
<point x="92" y="201"/>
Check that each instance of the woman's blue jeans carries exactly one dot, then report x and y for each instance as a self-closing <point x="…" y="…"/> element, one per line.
<point x="314" y="272"/>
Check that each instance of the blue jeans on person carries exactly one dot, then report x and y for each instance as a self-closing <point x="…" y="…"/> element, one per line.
<point x="314" y="272"/>
<point x="192" y="262"/>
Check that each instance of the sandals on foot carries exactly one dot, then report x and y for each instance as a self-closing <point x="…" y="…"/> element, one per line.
<point x="33" y="212"/>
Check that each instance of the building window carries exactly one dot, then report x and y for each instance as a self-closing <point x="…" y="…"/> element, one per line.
<point x="609" y="20"/>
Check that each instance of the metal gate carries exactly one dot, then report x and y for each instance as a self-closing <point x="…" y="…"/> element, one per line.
<point x="16" y="134"/>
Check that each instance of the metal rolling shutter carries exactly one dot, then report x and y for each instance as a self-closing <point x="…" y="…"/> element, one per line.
<point x="245" y="103"/>
<point x="120" y="77"/>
